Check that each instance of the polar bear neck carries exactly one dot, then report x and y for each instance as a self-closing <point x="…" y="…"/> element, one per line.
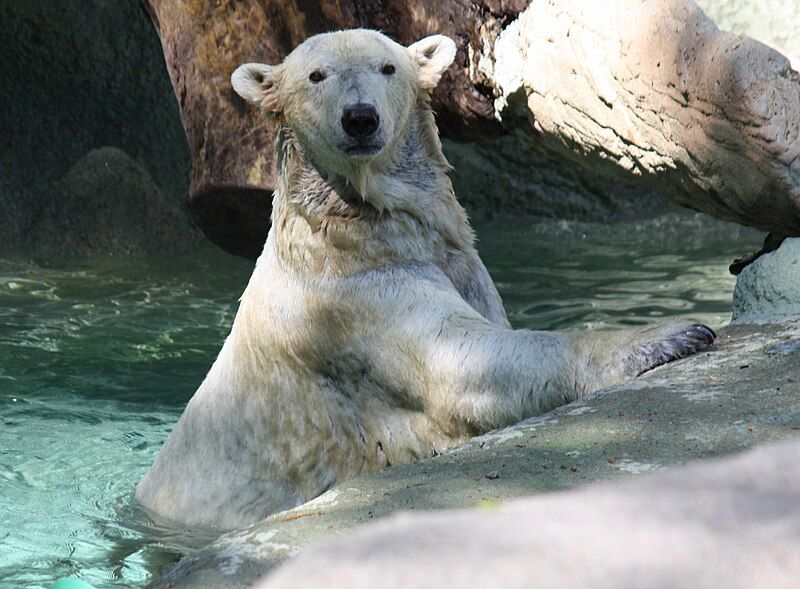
<point x="403" y="212"/>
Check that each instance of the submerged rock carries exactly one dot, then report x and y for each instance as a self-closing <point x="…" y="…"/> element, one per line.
<point x="108" y="205"/>
<point x="769" y="289"/>
<point x="742" y="393"/>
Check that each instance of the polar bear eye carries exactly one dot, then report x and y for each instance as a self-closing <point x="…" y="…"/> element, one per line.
<point x="316" y="76"/>
<point x="388" y="69"/>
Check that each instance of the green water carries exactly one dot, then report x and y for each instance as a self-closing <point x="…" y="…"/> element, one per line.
<point x="98" y="358"/>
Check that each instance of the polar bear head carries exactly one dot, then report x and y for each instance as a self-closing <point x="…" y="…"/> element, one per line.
<point x="348" y="95"/>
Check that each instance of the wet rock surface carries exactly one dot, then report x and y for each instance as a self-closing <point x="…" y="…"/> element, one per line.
<point x="743" y="392"/>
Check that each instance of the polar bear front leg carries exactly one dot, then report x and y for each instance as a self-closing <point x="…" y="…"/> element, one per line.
<point x="641" y="349"/>
<point x="480" y="376"/>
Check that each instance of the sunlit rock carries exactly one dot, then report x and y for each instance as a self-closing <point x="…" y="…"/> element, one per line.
<point x="768" y="290"/>
<point x="723" y="523"/>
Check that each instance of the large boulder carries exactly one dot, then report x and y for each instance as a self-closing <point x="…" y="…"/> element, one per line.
<point x="650" y="94"/>
<point x="655" y="91"/>
<point x="774" y="22"/>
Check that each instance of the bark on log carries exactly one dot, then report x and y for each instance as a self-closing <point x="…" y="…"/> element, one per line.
<point x="643" y="90"/>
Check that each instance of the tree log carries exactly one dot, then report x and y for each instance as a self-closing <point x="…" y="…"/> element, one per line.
<point x="648" y="91"/>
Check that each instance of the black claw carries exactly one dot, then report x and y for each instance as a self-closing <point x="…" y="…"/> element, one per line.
<point x="705" y="333"/>
<point x="696" y="338"/>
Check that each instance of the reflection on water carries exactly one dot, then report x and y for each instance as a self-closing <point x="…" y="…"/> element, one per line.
<point x="97" y="360"/>
<point x="570" y="276"/>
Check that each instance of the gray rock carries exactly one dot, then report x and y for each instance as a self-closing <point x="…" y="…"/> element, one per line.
<point x="773" y="22"/>
<point x="769" y="289"/>
<point x="487" y="178"/>
<point x="513" y="175"/>
<point x="78" y="75"/>
<point x="741" y="393"/>
<point x="107" y="205"/>
<point x="731" y="522"/>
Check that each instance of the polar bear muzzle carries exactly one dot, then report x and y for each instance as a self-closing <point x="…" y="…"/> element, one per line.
<point x="360" y="121"/>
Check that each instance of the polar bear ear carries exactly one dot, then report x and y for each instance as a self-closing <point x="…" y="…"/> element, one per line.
<point x="255" y="82"/>
<point x="433" y="55"/>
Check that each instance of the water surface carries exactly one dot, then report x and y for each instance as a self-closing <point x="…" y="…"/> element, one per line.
<point x="97" y="360"/>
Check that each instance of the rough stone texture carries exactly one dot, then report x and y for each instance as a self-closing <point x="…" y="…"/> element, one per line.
<point x="653" y="90"/>
<point x="731" y="522"/>
<point x="77" y="75"/>
<point x="769" y="288"/>
<point x="512" y="175"/>
<point x="743" y="392"/>
<point x="107" y="205"/>
<point x="774" y="22"/>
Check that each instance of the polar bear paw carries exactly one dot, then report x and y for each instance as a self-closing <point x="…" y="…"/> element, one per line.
<point x="661" y="344"/>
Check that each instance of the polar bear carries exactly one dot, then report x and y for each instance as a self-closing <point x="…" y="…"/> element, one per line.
<point x="370" y="332"/>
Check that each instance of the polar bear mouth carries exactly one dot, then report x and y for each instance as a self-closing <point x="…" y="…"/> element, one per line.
<point x="363" y="149"/>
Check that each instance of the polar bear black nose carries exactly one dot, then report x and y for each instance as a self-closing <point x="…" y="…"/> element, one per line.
<point x="360" y="120"/>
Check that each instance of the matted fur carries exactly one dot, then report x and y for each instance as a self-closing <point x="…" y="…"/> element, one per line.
<point x="370" y="332"/>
